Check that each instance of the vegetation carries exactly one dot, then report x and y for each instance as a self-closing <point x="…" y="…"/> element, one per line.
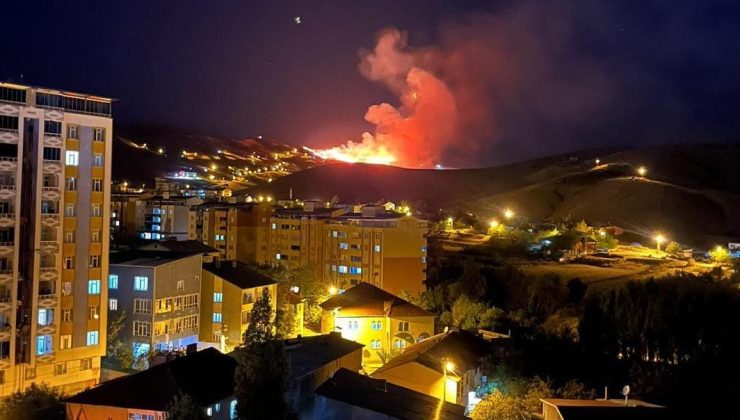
<point x="673" y="248"/>
<point x="185" y="408"/>
<point x="720" y="255"/>
<point x="263" y="369"/>
<point x="38" y="402"/>
<point x="119" y="355"/>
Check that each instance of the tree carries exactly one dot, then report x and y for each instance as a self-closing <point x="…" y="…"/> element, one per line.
<point x="119" y="354"/>
<point x="38" y="402"/>
<point x="260" y="327"/>
<point x="285" y="321"/>
<point x="185" y="408"/>
<point x="673" y="248"/>
<point x="720" y="255"/>
<point x="582" y="227"/>
<point x="468" y="314"/>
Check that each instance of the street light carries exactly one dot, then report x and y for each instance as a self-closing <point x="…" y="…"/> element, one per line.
<point x="598" y="161"/>
<point x="659" y="239"/>
<point x="642" y="171"/>
<point x="494" y="224"/>
<point x="447" y="366"/>
<point x="332" y="290"/>
<point x="508" y="213"/>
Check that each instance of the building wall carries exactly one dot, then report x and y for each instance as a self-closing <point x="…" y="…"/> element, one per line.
<point x="177" y="310"/>
<point x="125" y="296"/>
<point x="327" y="408"/>
<point x="422" y="379"/>
<point x="32" y="277"/>
<point x="242" y="230"/>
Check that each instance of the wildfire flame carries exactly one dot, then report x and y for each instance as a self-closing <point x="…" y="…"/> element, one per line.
<point x="365" y="152"/>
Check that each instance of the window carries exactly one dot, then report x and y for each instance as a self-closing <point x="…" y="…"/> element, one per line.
<point x="352" y="325"/>
<point x="99" y="134"/>
<point x="67" y="315"/>
<point x="113" y="281"/>
<point x="97" y="159"/>
<point x="53" y="127"/>
<point x="278" y="256"/>
<point x="65" y="342"/>
<point x="423" y="248"/>
<point x="69" y="263"/>
<point x="30" y="373"/>
<point x="113" y="304"/>
<point x="209" y="411"/>
<point x="93" y="286"/>
<point x="71" y="183"/>
<point x="375" y="344"/>
<point x="95" y="236"/>
<point x="342" y="269"/>
<point x="66" y="288"/>
<point x="218" y="297"/>
<point x="86" y="364"/>
<point x="343" y="245"/>
<point x="403" y="326"/>
<point x="220" y="237"/>
<point x="246" y="317"/>
<point x="73" y="131"/>
<point x="96" y="210"/>
<point x="46" y="316"/>
<point x="60" y="368"/>
<point x="143" y="329"/>
<point x="94" y="261"/>
<point x="180" y="285"/>
<point x="376" y="325"/>
<point x="142" y="306"/>
<point x="232" y="410"/>
<point x="93" y="312"/>
<point x="399" y="343"/>
<point x="92" y="338"/>
<point x="43" y="345"/>
<point x="97" y="184"/>
<point x="377" y="248"/>
<point x="69" y="210"/>
<point x="72" y="158"/>
<point x="52" y="153"/>
<point x="355" y="270"/>
<point x="355" y="258"/>
<point x="217" y="317"/>
<point x="141" y="283"/>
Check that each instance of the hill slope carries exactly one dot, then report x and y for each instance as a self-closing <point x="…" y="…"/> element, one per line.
<point x="690" y="191"/>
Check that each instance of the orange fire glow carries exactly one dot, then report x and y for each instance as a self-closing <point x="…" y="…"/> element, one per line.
<point x="357" y="153"/>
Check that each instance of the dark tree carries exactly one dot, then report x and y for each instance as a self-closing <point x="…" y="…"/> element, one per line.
<point x="261" y="327"/>
<point x="185" y="408"/>
<point x="38" y="402"/>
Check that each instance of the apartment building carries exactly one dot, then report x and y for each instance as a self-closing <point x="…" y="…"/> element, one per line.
<point x="229" y="291"/>
<point x="55" y="165"/>
<point x="384" y="323"/>
<point x="164" y="216"/>
<point x="160" y="293"/>
<point x="238" y="230"/>
<point x="350" y="246"/>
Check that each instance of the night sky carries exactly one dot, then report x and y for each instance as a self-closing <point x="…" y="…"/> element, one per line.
<point x="554" y="77"/>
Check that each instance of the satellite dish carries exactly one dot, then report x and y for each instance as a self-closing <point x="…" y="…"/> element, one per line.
<point x="626" y="390"/>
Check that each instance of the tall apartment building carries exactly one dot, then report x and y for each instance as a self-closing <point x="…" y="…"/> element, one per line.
<point x="371" y="245"/>
<point x="55" y="167"/>
<point x="238" y="230"/>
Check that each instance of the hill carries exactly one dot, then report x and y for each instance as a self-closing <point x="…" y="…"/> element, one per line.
<point x="689" y="192"/>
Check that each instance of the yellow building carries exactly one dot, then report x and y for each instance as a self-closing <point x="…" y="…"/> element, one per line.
<point x="446" y="366"/>
<point x="347" y="247"/>
<point x="384" y="323"/>
<point x="55" y="166"/>
<point x="238" y="230"/>
<point x="228" y="292"/>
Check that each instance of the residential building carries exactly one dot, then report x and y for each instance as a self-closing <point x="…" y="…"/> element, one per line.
<point x="566" y="409"/>
<point x="446" y="366"/>
<point x="349" y="245"/>
<point x="208" y="377"/>
<point x="229" y="290"/>
<point x="122" y="218"/>
<point x="55" y="163"/>
<point x="350" y="395"/>
<point x="238" y="230"/>
<point x="210" y="254"/>
<point x="160" y="293"/>
<point x="164" y="216"/>
<point x="384" y="323"/>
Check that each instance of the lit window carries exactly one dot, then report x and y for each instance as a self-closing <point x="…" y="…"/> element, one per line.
<point x="72" y="158"/>
<point x="65" y="342"/>
<point x="399" y="343"/>
<point x="376" y="325"/>
<point x="277" y="256"/>
<point x="232" y="410"/>
<point x="92" y="338"/>
<point x="274" y="226"/>
<point x="141" y="283"/>
<point x="377" y="248"/>
<point x="113" y="281"/>
<point x="342" y="269"/>
<point x="218" y="297"/>
<point x="46" y="316"/>
<point x="217" y="317"/>
<point x="343" y="245"/>
<point x="423" y="248"/>
<point x="355" y="270"/>
<point x="113" y="304"/>
<point x="375" y="344"/>
<point x="209" y="411"/>
<point x="93" y="287"/>
<point x="97" y="159"/>
<point x="43" y="345"/>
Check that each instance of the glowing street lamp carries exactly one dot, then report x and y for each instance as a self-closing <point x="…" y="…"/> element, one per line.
<point x="598" y="161"/>
<point x="448" y="366"/>
<point x="494" y="224"/>
<point x="508" y="213"/>
<point x="332" y="290"/>
<point x="642" y="171"/>
<point x="659" y="239"/>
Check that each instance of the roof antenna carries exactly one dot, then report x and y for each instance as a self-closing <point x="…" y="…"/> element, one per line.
<point x="625" y="392"/>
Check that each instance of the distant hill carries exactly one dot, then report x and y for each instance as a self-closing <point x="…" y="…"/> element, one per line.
<point x="690" y="191"/>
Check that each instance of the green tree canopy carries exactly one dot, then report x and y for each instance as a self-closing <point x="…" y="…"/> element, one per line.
<point x="37" y="402"/>
<point x="260" y="327"/>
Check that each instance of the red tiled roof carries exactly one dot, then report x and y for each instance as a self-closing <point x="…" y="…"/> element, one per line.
<point x="368" y="300"/>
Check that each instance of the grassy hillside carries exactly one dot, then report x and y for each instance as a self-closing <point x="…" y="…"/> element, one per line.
<point x="689" y="192"/>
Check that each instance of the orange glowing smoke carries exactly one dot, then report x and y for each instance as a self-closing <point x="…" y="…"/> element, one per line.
<point x="412" y="134"/>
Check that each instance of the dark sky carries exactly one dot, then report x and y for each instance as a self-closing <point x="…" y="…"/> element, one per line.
<point x="579" y="74"/>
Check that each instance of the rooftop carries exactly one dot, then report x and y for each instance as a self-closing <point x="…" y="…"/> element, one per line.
<point x="607" y="409"/>
<point x="188" y="246"/>
<point x="238" y="274"/>
<point x="207" y="376"/>
<point x="368" y="300"/>
<point x="144" y="258"/>
<point x="307" y="354"/>
<point x="383" y="397"/>
<point x="462" y="348"/>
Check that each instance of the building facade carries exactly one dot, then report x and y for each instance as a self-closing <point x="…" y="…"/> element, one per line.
<point x="55" y="166"/>
<point x="160" y="294"/>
